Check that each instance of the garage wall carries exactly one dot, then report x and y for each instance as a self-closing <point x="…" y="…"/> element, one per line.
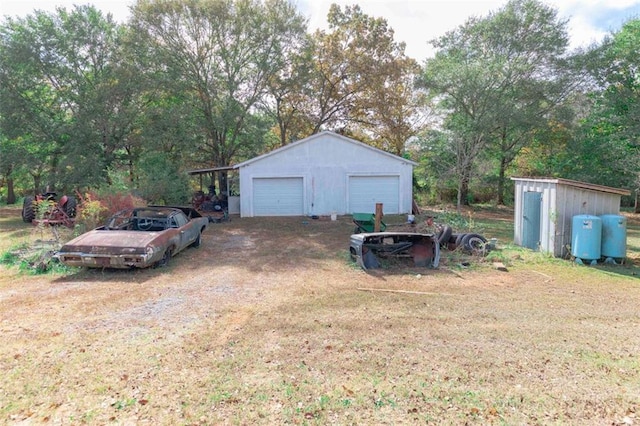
<point x="325" y="163"/>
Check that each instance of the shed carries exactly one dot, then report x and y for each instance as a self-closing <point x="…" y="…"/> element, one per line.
<point x="325" y="174"/>
<point x="544" y="208"/>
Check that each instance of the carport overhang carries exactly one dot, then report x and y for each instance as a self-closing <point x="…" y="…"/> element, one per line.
<point x="212" y="171"/>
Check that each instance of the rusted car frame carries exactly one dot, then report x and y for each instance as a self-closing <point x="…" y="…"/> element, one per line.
<point x="422" y="250"/>
<point x="136" y="238"/>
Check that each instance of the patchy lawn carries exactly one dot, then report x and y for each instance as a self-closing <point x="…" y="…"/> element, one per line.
<point x="267" y="323"/>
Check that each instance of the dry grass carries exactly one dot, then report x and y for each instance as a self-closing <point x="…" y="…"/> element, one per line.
<point x="264" y="324"/>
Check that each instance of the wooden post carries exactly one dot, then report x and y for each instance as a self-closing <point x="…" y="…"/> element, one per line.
<point x="376" y="226"/>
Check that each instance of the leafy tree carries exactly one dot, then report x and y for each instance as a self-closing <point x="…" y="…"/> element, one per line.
<point x="67" y="95"/>
<point x="609" y="147"/>
<point x="288" y="92"/>
<point x="221" y="55"/>
<point x="496" y="80"/>
<point x="362" y="81"/>
<point x="161" y="180"/>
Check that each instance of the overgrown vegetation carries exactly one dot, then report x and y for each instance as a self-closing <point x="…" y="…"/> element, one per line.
<point x="37" y="254"/>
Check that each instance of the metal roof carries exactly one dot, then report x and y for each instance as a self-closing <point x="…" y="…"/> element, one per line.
<point x="575" y="184"/>
<point x="209" y="170"/>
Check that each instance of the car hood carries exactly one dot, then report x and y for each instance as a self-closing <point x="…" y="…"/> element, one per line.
<point x="111" y="242"/>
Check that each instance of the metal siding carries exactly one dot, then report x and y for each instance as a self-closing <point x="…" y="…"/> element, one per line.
<point x="517" y="213"/>
<point x="366" y="191"/>
<point x="278" y="196"/>
<point x="326" y="162"/>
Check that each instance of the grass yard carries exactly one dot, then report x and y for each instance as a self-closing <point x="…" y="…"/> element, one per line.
<point x="268" y="323"/>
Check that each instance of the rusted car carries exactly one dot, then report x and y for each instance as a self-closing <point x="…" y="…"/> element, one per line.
<point x="421" y="250"/>
<point x="136" y="238"/>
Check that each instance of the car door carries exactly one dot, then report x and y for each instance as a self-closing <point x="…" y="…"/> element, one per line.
<point x="187" y="230"/>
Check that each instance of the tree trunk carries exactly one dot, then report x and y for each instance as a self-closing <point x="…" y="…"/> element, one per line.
<point x="636" y="208"/>
<point x="503" y="166"/>
<point x="464" y="192"/>
<point x="11" y="193"/>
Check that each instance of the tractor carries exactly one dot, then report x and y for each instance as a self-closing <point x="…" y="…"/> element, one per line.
<point x="56" y="212"/>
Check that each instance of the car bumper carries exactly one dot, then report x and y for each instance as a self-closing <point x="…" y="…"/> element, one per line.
<point x="124" y="261"/>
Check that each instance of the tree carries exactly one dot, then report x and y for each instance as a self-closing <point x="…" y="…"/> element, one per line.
<point x="66" y="94"/>
<point x="495" y="80"/>
<point x="610" y="147"/>
<point x="361" y="81"/>
<point x="221" y="55"/>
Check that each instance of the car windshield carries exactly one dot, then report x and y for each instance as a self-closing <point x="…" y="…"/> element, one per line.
<point x="140" y="220"/>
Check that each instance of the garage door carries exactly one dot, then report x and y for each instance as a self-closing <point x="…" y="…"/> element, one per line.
<point x="366" y="191"/>
<point x="278" y="197"/>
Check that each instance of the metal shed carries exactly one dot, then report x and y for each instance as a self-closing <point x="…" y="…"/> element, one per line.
<point x="544" y="208"/>
<point x="323" y="174"/>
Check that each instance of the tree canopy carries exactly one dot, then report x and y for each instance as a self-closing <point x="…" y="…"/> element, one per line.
<point x="91" y="103"/>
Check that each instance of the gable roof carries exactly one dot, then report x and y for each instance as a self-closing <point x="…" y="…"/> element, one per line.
<point x="316" y="136"/>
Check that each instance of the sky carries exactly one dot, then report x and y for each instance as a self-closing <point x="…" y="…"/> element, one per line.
<point x="414" y="22"/>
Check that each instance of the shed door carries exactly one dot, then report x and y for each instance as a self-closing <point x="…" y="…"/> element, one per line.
<point x="278" y="197"/>
<point x="532" y="203"/>
<point x="366" y="191"/>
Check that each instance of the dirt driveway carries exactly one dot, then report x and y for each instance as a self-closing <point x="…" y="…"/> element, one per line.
<point x="264" y="324"/>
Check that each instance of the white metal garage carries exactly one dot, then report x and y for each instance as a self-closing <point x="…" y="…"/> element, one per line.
<point x="323" y="174"/>
<point x="278" y="196"/>
<point x="366" y="191"/>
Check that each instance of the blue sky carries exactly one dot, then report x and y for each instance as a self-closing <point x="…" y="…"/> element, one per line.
<point x="414" y="21"/>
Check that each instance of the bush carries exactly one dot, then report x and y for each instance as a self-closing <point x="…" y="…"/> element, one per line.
<point x="95" y="209"/>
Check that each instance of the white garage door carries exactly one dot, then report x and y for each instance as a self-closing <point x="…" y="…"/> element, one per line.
<point x="278" y="197"/>
<point x="366" y="191"/>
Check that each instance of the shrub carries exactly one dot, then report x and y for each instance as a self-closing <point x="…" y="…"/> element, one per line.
<point x="95" y="209"/>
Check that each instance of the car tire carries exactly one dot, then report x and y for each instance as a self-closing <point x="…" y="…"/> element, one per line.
<point x="474" y="243"/>
<point x="459" y="239"/>
<point x="166" y="257"/>
<point x="28" y="214"/>
<point x="444" y="235"/>
<point x="198" y="241"/>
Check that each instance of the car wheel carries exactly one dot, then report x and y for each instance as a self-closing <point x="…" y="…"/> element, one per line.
<point x="198" y="241"/>
<point x="166" y="257"/>
<point x="474" y="243"/>
<point x="28" y="213"/>
<point x="459" y="239"/>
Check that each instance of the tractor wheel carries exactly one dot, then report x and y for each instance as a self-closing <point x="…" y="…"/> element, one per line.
<point x="28" y="214"/>
<point x="71" y="207"/>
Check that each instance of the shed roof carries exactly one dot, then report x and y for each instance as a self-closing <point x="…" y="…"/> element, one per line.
<point x="209" y="170"/>
<point x="575" y="184"/>
<point x="316" y="136"/>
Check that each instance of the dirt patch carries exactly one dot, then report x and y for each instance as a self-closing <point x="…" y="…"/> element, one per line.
<point x="265" y="324"/>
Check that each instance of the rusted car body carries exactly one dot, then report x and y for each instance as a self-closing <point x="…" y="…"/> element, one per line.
<point x="136" y="238"/>
<point x="421" y="250"/>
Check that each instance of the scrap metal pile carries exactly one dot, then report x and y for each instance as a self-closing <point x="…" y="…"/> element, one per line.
<point x="410" y="242"/>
